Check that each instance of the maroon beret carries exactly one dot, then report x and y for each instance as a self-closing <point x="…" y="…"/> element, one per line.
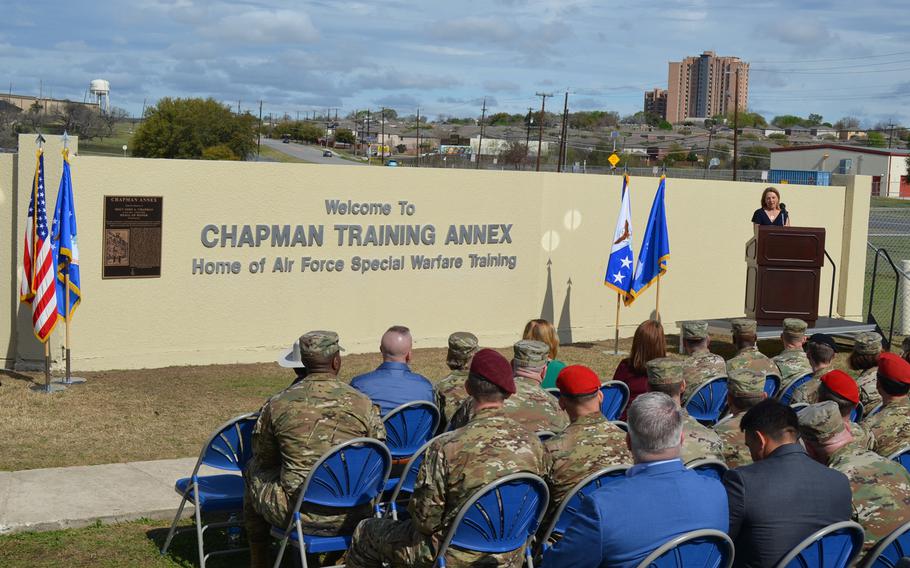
<point x="491" y="366"/>
<point x="577" y="380"/>
<point x="891" y="366"/>
<point x="841" y="384"/>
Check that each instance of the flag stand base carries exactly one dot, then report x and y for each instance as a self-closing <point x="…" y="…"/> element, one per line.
<point x="49" y="388"/>
<point x="611" y="352"/>
<point x="70" y="381"/>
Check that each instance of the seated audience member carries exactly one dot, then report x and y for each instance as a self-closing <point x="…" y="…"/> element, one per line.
<point x="890" y="427"/>
<point x="784" y="496"/>
<point x="590" y="443"/>
<point x="294" y="429"/>
<point x="748" y="356"/>
<point x="839" y="387"/>
<point x="450" y="393"/>
<point x="542" y="330"/>
<point x="792" y="363"/>
<point x="659" y="499"/>
<point x="820" y="350"/>
<point x="745" y="389"/>
<point x="530" y="406"/>
<point x="666" y="375"/>
<point x="489" y="447"/>
<point x="881" y="487"/>
<point x="290" y="359"/>
<point x="701" y="364"/>
<point x="647" y="343"/>
<point x="392" y="383"/>
<point x="864" y="359"/>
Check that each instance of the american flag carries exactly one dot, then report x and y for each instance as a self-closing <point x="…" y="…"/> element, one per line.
<point x="38" y="273"/>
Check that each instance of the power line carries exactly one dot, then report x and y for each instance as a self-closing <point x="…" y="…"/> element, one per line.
<point x="543" y="103"/>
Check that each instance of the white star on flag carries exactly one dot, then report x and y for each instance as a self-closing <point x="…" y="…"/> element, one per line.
<point x="618" y="277"/>
<point x="626" y="262"/>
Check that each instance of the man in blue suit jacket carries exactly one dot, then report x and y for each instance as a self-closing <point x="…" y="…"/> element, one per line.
<point x="620" y="524"/>
<point x="392" y="383"/>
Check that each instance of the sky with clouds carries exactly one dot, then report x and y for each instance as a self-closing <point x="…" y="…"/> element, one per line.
<point x="831" y="57"/>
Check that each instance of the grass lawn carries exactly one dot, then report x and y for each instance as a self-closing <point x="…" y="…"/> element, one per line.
<point x="279" y="156"/>
<point x="111" y="146"/>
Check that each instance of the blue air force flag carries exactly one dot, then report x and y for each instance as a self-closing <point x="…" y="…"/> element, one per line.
<point x="619" y="266"/>
<point x="655" y="247"/>
<point x="65" y="242"/>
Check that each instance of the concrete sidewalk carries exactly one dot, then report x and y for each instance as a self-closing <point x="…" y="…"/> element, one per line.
<point x="70" y="497"/>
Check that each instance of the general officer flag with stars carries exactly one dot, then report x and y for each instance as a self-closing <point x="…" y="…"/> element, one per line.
<point x="619" y="266"/>
<point x="655" y="247"/>
<point x="66" y="243"/>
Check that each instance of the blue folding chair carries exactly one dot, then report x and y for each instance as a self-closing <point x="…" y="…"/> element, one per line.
<point x="706" y="548"/>
<point x="902" y="456"/>
<point x="500" y="517"/>
<point x="834" y="546"/>
<point x="708" y="401"/>
<point x="888" y="551"/>
<point x="708" y="467"/>
<point x="857" y="413"/>
<point x="228" y="449"/>
<point x="772" y="385"/>
<point x="570" y="505"/>
<point x="785" y="395"/>
<point x="349" y="475"/>
<point x="875" y="410"/>
<point x="544" y="435"/>
<point x="616" y="397"/>
<point x="624" y="426"/>
<point x="405" y="483"/>
<point x="407" y="428"/>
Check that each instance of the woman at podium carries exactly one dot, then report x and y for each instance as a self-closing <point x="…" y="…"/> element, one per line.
<point x="772" y="211"/>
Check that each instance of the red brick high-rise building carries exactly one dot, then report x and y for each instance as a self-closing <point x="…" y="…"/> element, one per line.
<point x="705" y="85"/>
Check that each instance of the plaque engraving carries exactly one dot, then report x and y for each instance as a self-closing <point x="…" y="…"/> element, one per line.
<point x="132" y="236"/>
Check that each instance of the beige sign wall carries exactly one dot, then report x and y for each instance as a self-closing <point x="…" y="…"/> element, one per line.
<point x="547" y="238"/>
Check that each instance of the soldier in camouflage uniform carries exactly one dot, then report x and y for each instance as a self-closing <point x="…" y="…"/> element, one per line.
<point x="838" y="387"/>
<point x="864" y="359"/>
<point x="881" y="487"/>
<point x="820" y="350"/>
<point x="489" y="447"/>
<point x="891" y="426"/>
<point x="295" y="428"/>
<point x="590" y="443"/>
<point x="450" y="393"/>
<point x="745" y="389"/>
<point x="531" y="406"/>
<point x="701" y="364"/>
<point x="792" y="362"/>
<point x="666" y="375"/>
<point x="748" y="356"/>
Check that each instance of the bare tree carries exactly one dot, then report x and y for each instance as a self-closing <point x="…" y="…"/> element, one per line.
<point x="515" y="154"/>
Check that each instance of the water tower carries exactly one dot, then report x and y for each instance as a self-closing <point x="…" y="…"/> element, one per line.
<point x="100" y="91"/>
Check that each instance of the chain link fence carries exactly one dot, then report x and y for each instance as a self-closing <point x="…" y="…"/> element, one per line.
<point x="888" y="269"/>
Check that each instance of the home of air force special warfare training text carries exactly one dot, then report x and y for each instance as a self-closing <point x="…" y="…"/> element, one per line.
<point x="342" y="235"/>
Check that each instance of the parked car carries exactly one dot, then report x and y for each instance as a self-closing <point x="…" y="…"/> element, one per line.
<point x="327" y="154"/>
<point x="286" y="139"/>
<point x="392" y="163"/>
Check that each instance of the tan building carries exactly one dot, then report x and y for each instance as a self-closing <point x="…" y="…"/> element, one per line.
<point x="704" y="86"/>
<point x="887" y="166"/>
<point x="47" y="106"/>
<point x="656" y="102"/>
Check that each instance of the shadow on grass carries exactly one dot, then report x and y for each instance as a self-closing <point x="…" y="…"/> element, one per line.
<point x="17" y="376"/>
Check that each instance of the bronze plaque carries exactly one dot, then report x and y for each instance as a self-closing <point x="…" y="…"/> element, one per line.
<point x="132" y="236"/>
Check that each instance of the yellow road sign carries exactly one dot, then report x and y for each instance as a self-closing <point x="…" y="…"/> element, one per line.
<point x="613" y="159"/>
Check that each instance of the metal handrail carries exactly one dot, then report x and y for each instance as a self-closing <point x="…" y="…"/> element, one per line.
<point x="833" y="281"/>
<point x="897" y="274"/>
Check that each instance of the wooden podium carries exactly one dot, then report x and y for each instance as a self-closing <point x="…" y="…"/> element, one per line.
<point x="783" y="273"/>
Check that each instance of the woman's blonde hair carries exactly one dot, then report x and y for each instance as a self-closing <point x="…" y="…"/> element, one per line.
<point x="542" y="330"/>
<point x="766" y="192"/>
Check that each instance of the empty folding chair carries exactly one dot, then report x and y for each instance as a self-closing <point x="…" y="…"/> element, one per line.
<point x="706" y="548"/>
<point x="708" y="467"/>
<point x="500" y="517"/>
<point x="902" y="456"/>
<point x="616" y="397"/>
<point x="785" y="394"/>
<point x="888" y="551"/>
<point x="708" y="401"/>
<point x="834" y="546"/>
<point x="349" y="475"/>
<point x="228" y="449"/>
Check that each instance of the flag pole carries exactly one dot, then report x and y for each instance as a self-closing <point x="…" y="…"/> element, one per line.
<point x="48" y="387"/>
<point x="657" y="305"/>
<point x="616" y="328"/>
<point x="69" y="379"/>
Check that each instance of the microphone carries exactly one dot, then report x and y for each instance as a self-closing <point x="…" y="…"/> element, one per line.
<point x="783" y="206"/>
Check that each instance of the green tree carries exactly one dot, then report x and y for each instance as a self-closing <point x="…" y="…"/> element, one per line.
<point x="664" y="125"/>
<point x="505" y="119"/>
<point x="755" y="158"/>
<point x="746" y="119"/>
<point x="344" y="135"/>
<point x="184" y="128"/>
<point x="814" y="120"/>
<point x="875" y="139"/>
<point x="219" y="152"/>
<point x="787" y="120"/>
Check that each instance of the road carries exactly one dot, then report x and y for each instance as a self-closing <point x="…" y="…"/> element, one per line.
<point x="311" y="154"/>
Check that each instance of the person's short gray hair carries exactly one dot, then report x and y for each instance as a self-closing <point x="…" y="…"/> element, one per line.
<point x="655" y="423"/>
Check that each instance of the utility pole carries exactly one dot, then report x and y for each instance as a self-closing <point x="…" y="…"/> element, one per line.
<point x="708" y="151"/>
<point x="259" y="140"/>
<point x="418" y="137"/>
<point x="736" y="125"/>
<point x="483" y="116"/>
<point x="382" y="137"/>
<point x="890" y="133"/>
<point x="369" y="149"/>
<point x="563" y="133"/>
<point x="543" y="104"/>
<point x="238" y="106"/>
<point x="527" y="137"/>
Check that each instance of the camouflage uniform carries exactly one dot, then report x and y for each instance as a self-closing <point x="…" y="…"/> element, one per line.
<point x="752" y="358"/>
<point x="808" y="391"/>
<point x="868" y="343"/>
<point x="295" y="428"/>
<point x="491" y="446"/>
<point x="741" y="383"/>
<point x="891" y="427"/>
<point x="881" y="488"/>
<point x="862" y="438"/>
<point x="530" y="406"/>
<point x="587" y="445"/>
<point x="791" y="365"/>
<point x="699" y="442"/>
<point x="700" y="365"/>
<point x="450" y="392"/>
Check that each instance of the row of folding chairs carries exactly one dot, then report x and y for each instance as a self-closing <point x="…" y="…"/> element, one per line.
<point x="616" y="398"/>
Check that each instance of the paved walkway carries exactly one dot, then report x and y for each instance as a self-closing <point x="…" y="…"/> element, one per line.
<point x="70" y="497"/>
